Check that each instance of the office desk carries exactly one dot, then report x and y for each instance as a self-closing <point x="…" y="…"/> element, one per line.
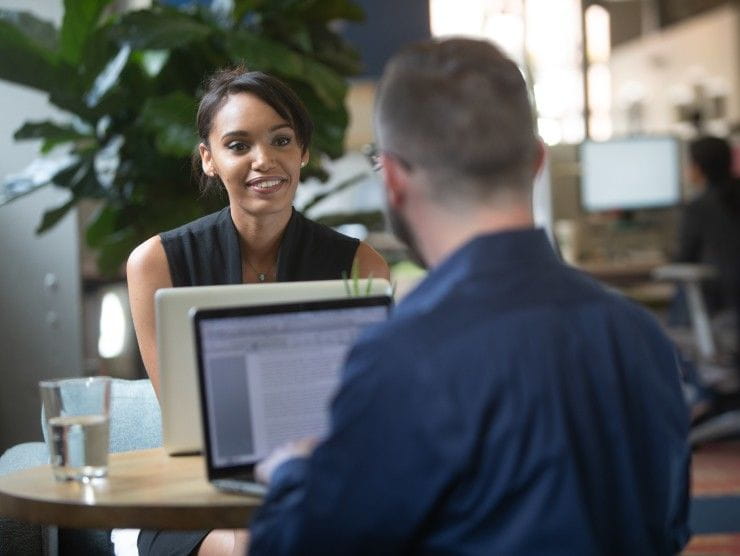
<point x="635" y="279"/>
<point x="621" y="273"/>
<point x="145" y="489"/>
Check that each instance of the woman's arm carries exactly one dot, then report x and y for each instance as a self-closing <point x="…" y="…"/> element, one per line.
<point x="370" y="263"/>
<point x="147" y="271"/>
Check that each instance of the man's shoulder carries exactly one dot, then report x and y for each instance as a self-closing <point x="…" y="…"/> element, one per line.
<point x="561" y="294"/>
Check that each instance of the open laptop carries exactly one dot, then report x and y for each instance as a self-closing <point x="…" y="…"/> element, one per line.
<point x="267" y="374"/>
<point x="181" y="422"/>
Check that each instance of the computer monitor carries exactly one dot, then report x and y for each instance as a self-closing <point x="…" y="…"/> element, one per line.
<point x="630" y="173"/>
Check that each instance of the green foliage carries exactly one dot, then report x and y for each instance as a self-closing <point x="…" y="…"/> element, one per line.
<point x="352" y="282"/>
<point x="130" y="83"/>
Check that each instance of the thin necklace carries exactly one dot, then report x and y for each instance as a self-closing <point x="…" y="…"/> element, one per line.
<point x="261" y="276"/>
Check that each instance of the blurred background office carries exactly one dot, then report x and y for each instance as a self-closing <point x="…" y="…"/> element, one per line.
<point x="619" y="86"/>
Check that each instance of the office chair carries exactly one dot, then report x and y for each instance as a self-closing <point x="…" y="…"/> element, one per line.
<point x="711" y="354"/>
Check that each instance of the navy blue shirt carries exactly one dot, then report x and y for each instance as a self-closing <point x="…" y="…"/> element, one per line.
<point x="510" y="405"/>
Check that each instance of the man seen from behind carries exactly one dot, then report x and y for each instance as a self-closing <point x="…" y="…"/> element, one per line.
<point x="510" y="405"/>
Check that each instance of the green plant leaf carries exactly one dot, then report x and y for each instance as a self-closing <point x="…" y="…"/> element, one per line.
<point x="101" y="225"/>
<point x="270" y="56"/>
<point x="159" y="29"/>
<point x="314" y="169"/>
<point x="109" y="77"/>
<point x="329" y="10"/>
<point x="81" y="179"/>
<point x="171" y="118"/>
<point x="130" y="82"/>
<point x="52" y="133"/>
<point x="53" y="216"/>
<point x="152" y="61"/>
<point x="331" y="123"/>
<point x="26" y="60"/>
<point x="260" y="53"/>
<point x="327" y="83"/>
<point x="97" y="52"/>
<point x="37" y="174"/>
<point x="242" y="7"/>
<point x="40" y="31"/>
<point x="114" y="251"/>
<point x="302" y="39"/>
<point x="80" y="19"/>
<point x="335" y="52"/>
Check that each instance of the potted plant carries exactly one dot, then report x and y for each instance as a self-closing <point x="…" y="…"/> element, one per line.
<point x="129" y="83"/>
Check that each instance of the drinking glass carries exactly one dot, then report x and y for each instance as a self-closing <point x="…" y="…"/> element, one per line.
<point x="77" y="416"/>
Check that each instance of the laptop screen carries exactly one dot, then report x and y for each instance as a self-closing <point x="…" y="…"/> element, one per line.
<point x="267" y="373"/>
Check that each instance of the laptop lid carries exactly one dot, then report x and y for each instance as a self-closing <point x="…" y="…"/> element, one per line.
<point x="181" y="422"/>
<point x="267" y="373"/>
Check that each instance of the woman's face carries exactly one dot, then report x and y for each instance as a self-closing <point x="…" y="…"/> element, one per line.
<point x="694" y="177"/>
<point x="256" y="154"/>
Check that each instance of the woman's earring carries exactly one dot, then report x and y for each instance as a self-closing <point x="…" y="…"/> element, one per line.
<point x="303" y="164"/>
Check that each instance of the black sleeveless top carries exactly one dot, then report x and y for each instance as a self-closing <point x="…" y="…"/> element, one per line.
<point x="206" y="251"/>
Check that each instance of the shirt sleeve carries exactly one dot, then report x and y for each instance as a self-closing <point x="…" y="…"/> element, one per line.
<point x="367" y="487"/>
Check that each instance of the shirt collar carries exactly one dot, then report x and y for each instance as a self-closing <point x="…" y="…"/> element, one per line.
<point x="483" y="254"/>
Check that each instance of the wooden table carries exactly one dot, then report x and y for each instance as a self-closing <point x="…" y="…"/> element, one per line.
<point x="145" y="489"/>
<point x="621" y="273"/>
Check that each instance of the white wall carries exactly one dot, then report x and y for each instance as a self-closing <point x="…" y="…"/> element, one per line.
<point x="667" y="65"/>
<point x="40" y="316"/>
<point x="17" y="103"/>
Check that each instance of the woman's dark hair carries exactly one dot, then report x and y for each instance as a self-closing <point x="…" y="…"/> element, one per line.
<point x="269" y="89"/>
<point x="713" y="157"/>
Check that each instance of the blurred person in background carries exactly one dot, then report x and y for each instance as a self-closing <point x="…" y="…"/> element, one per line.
<point x="710" y="234"/>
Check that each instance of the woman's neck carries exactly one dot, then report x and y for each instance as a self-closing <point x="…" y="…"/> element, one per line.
<point x="260" y="237"/>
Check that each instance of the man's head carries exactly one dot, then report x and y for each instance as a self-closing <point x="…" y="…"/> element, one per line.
<point x="459" y="111"/>
<point x="456" y="136"/>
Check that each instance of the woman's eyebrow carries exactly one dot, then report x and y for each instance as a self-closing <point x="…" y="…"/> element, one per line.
<point x="244" y="133"/>
<point x="235" y="133"/>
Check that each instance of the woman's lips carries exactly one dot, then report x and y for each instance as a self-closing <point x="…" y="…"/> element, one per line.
<point x="266" y="184"/>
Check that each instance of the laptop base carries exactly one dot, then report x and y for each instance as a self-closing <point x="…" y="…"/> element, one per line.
<point x="240" y="486"/>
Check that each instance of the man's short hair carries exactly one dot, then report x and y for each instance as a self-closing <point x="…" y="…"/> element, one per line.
<point x="459" y="109"/>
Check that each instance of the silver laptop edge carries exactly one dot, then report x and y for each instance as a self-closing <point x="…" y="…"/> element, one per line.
<point x="181" y="421"/>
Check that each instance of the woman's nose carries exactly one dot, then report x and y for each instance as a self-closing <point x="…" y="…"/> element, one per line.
<point x="263" y="159"/>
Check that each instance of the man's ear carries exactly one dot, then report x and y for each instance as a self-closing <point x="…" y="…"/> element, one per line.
<point x="540" y="156"/>
<point x="206" y="161"/>
<point x="396" y="179"/>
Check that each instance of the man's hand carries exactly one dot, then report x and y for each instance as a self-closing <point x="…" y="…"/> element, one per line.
<point x="298" y="449"/>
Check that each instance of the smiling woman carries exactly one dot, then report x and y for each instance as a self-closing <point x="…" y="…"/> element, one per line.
<point x="257" y="156"/>
<point x="254" y="139"/>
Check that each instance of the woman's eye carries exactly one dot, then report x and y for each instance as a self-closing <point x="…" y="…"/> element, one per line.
<point x="237" y="146"/>
<point x="282" y="141"/>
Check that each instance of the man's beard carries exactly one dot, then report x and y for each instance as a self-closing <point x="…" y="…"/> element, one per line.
<point x="400" y="228"/>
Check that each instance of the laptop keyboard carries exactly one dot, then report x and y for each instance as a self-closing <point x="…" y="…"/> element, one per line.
<point x="241" y="486"/>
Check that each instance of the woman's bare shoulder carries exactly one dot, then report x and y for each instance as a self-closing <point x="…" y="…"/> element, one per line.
<point x="370" y="262"/>
<point x="149" y="259"/>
